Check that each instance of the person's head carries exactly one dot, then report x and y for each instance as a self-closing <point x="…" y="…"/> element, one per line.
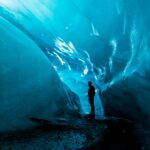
<point x="90" y="83"/>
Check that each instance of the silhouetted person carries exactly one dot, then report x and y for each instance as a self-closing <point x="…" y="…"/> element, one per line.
<point x="91" y="94"/>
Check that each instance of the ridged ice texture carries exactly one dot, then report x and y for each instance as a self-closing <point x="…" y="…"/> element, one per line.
<point x="42" y="22"/>
<point x="106" y="41"/>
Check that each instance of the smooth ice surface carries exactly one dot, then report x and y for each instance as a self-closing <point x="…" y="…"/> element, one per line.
<point x="30" y="86"/>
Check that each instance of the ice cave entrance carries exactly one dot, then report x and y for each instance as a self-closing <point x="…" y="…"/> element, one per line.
<point x="75" y="70"/>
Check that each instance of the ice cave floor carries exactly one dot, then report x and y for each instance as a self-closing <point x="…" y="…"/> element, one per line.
<point x="106" y="134"/>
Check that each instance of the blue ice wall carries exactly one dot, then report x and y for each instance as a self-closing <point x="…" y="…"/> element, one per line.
<point x="45" y="28"/>
<point x="29" y="86"/>
<point x="106" y="41"/>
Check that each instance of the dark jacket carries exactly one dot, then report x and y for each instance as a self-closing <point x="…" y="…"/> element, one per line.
<point x="91" y="92"/>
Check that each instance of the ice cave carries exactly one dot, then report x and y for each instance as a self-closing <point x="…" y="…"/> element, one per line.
<point x="50" y="49"/>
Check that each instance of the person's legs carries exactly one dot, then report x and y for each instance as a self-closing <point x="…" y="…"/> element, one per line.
<point x="92" y="108"/>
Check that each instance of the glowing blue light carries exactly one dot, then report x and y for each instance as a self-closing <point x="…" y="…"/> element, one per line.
<point x="94" y="31"/>
<point x="114" y="45"/>
<point x="60" y="59"/>
<point x="85" y="71"/>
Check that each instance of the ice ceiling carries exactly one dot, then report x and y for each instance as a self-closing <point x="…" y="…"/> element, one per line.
<point x="102" y="40"/>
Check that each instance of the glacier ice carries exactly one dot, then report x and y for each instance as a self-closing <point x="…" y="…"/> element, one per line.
<point x="29" y="85"/>
<point x="106" y="41"/>
<point x="42" y="29"/>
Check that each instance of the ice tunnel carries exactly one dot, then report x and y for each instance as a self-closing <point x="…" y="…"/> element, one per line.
<point x="51" y="49"/>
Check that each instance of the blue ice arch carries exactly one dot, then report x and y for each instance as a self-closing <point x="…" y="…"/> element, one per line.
<point x="50" y="50"/>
